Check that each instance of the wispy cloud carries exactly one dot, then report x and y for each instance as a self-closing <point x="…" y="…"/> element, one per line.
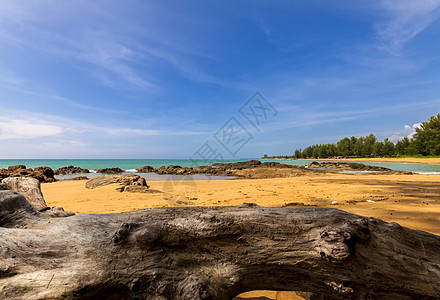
<point x="298" y="118"/>
<point x="26" y="125"/>
<point x="102" y="48"/>
<point x="27" y="129"/>
<point x="406" y="19"/>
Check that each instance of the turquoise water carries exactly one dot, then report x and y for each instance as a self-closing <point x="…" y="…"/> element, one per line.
<point x="412" y="167"/>
<point x="131" y="164"/>
<point x="125" y="164"/>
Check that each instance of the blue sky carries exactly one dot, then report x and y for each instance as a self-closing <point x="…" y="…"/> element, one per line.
<point x="144" y="79"/>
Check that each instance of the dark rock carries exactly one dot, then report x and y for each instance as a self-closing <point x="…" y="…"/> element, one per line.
<point x="4" y="173"/>
<point x="238" y="165"/>
<point x="273" y="164"/>
<point x="146" y="169"/>
<point x="43" y="174"/>
<point x="80" y="178"/>
<point x="71" y="170"/>
<point x="109" y="171"/>
<point x="20" y="173"/>
<point x="171" y="169"/>
<point x="346" y="166"/>
<point x="221" y="168"/>
<point x="16" y="167"/>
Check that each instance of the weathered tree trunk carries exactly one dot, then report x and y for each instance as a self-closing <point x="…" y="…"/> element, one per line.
<point x="211" y="253"/>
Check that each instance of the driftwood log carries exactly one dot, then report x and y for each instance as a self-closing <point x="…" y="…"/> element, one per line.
<point x="211" y="253"/>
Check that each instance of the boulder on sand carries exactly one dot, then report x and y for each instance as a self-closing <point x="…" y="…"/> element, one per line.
<point x="124" y="181"/>
<point x="30" y="189"/>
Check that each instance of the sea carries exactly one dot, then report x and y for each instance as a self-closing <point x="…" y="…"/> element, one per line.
<point x="130" y="165"/>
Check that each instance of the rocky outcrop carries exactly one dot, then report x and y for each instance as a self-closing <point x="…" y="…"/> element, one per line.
<point x="79" y="178"/>
<point x="145" y="169"/>
<point x="346" y="166"/>
<point x="238" y="165"/>
<point x="43" y="174"/>
<point x="124" y="181"/>
<point x="71" y="170"/>
<point x="109" y="171"/>
<point x="16" y="168"/>
<point x="30" y="189"/>
<point x="230" y="169"/>
<point x="178" y="170"/>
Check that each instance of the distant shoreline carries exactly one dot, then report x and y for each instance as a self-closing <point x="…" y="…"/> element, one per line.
<point x="414" y="160"/>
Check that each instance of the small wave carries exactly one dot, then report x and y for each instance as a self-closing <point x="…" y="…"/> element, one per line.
<point x="92" y="171"/>
<point x="131" y="171"/>
<point x="429" y="173"/>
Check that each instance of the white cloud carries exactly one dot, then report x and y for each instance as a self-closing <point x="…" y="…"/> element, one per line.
<point x="414" y="127"/>
<point x="25" y="129"/>
<point x="407" y="131"/>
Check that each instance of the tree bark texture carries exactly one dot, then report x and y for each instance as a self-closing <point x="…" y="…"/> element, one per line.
<point x="211" y="253"/>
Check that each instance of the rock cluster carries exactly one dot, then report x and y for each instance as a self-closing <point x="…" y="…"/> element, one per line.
<point x="128" y="182"/>
<point x="71" y="170"/>
<point x="109" y="171"/>
<point x="43" y="174"/>
<point x="218" y="168"/>
<point x="346" y="166"/>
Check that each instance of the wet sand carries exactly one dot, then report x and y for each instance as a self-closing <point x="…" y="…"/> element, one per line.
<point x="411" y="200"/>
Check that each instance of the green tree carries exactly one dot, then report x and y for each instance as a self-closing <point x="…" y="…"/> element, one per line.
<point x="388" y="148"/>
<point x="370" y="140"/>
<point x="359" y="146"/>
<point x="344" y="146"/>
<point x="426" y="141"/>
<point x="402" y="146"/>
<point x="378" y="149"/>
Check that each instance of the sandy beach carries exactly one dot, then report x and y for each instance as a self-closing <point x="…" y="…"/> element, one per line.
<point x="411" y="200"/>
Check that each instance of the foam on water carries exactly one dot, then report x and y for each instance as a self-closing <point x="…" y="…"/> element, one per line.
<point x="429" y="173"/>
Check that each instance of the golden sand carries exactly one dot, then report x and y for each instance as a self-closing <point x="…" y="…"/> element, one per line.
<point x="410" y="200"/>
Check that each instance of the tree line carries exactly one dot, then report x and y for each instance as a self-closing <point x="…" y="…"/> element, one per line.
<point x="425" y="142"/>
